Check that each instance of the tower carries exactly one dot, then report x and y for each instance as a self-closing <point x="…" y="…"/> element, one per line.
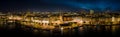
<point x="91" y="11"/>
<point x="113" y="19"/>
<point x="61" y="17"/>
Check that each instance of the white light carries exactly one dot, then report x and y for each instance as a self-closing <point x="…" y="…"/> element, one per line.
<point x="10" y="21"/>
<point x="62" y="28"/>
<point x="81" y="21"/>
<point x="16" y="18"/>
<point x="36" y="21"/>
<point x="45" y="21"/>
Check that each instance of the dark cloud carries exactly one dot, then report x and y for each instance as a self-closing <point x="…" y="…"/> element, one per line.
<point x="74" y="4"/>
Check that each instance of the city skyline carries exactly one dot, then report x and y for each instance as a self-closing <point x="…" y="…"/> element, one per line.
<point x="59" y="18"/>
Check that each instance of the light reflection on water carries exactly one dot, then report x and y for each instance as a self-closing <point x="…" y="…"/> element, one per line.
<point x="79" y="31"/>
<point x="86" y="30"/>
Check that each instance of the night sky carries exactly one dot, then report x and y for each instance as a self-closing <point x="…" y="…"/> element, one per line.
<point x="18" y="5"/>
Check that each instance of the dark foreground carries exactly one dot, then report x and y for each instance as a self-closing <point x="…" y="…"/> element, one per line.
<point x="86" y="31"/>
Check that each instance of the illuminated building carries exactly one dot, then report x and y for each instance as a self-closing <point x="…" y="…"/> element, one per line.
<point x="56" y="19"/>
<point x="91" y="11"/>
